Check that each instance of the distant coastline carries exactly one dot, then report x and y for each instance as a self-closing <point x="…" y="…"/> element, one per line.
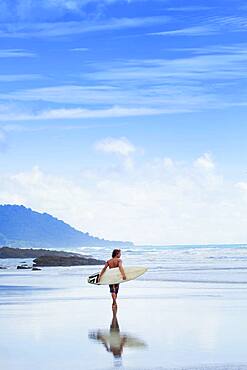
<point x="213" y="245"/>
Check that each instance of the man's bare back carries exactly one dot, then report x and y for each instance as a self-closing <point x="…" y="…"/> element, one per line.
<point x="114" y="262"/>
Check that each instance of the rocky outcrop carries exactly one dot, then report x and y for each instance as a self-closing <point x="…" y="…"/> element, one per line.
<point x="45" y="257"/>
<point x="45" y="261"/>
<point x="23" y="267"/>
<point x="8" y="252"/>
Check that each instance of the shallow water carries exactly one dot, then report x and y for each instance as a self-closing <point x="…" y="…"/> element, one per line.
<point x="188" y="311"/>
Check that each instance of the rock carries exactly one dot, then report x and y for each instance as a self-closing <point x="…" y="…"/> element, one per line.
<point x="36" y="269"/>
<point x="3" y="268"/>
<point x="66" y="261"/>
<point x="23" y="267"/>
<point x="8" y="252"/>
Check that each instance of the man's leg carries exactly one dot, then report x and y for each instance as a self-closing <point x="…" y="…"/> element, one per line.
<point x="113" y="294"/>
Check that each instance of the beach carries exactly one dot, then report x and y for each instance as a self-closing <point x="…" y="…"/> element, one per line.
<point x="187" y="312"/>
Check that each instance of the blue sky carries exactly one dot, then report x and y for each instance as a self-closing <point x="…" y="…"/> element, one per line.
<point x="117" y="113"/>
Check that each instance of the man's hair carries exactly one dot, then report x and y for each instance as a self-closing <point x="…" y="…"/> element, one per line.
<point x="115" y="252"/>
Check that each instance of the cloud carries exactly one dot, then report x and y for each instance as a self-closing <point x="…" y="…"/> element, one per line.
<point x="189" y="31"/>
<point x="2" y="136"/>
<point x="190" y="8"/>
<point x="78" y="113"/>
<point x="57" y="29"/>
<point x="242" y="185"/>
<point x="168" y="162"/>
<point x="46" y="9"/>
<point x="79" y="49"/>
<point x="205" y="162"/>
<point x="17" y="127"/>
<point x="19" y="77"/>
<point x="211" y="77"/>
<point x="16" y="53"/>
<point x="3" y="139"/>
<point x="72" y="94"/>
<point x="209" y="26"/>
<point x="39" y="9"/>
<point x="151" y="204"/>
<point x="120" y="146"/>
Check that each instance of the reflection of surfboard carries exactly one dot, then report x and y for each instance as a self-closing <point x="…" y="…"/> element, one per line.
<point x="116" y="339"/>
<point x="114" y="276"/>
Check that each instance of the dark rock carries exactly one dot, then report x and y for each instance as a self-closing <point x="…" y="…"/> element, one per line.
<point x="66" y="261"/>
<point x="23" y="267"/>
<point x="36" y="269"/>
<point x="3" y="268"/>
<point x="8" y="252"/>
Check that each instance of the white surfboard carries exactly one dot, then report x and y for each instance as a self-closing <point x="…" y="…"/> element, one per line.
<point x="114" y="276"/>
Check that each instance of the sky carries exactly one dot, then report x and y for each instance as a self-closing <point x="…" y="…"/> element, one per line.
<point x="127" y="119"/>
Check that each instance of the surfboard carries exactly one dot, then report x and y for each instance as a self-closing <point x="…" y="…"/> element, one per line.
<point x="114" y="276"/>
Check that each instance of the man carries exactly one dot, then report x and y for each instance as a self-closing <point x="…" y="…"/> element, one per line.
<point x="114" y="262"/>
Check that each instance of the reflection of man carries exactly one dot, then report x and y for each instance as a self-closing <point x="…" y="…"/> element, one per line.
<point x="114" y="330"/>
<point x="116" y="342"/>
<point x="114" y="262"/>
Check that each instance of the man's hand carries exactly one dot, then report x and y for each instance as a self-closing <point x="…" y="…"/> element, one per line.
<point x="122" y="270"/>
<point x="102" y="271"/>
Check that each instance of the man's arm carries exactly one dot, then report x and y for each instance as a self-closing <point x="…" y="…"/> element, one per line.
<point x="122" y="270"/>
<point x="103" y="270"/>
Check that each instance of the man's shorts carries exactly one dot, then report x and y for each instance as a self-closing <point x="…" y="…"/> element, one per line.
<point x="114" y="288"/>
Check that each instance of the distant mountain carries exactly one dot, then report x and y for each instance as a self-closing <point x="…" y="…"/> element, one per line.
<point x="22" y="227"/>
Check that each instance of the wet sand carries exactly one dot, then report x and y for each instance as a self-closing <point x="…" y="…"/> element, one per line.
<point x="53" y="320"/>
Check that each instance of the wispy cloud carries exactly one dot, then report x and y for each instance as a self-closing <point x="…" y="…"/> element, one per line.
<point x="208" y="26"/>
<point x="203" y="80"/>
<point x="124" y="101"/>
<point x="2" y="139"/>
<point x="197" y="68"/>
<point x="189" y="31"/>
<point x="20" y="77"/>
<point x="16" y="53"/>
<point x="28" y="10"/>
<point x="190" y="8"/>
<point x="79" y="113"/>
<point x="71" y="94"/>
<point x="79" y="49"/>
<point x="20" y="127"/>
<point x="56" y="29"/>
<point x="213" y="49"/>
